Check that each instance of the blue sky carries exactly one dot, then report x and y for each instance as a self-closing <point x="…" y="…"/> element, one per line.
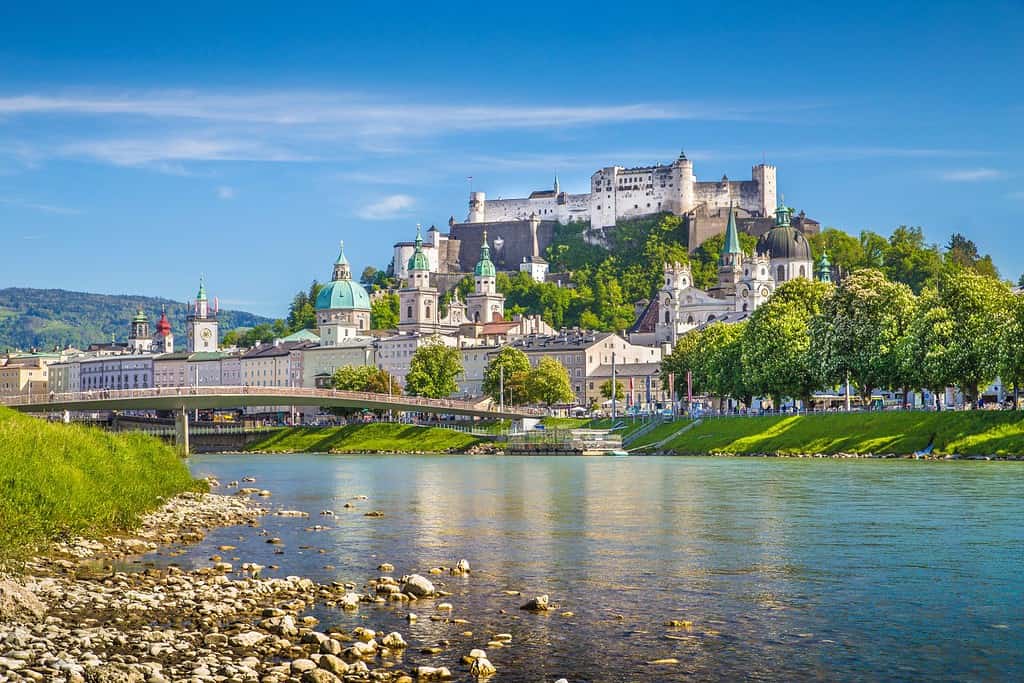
<point x="138" y="150"/>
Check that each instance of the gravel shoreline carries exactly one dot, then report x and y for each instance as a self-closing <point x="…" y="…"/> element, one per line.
<point x="71" y="618"/>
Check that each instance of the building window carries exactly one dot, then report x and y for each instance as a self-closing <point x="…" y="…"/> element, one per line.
<point x="781" y="277"/>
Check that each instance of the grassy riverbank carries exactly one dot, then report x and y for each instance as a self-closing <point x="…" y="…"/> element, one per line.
<point x="964" y="433"/>
<point x="378" y="437"/>
<point x="64" y="480"/>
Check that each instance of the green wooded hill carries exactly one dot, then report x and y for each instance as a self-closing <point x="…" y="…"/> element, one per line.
<point x="972" y="432"/>
<point x="45" y="318"/>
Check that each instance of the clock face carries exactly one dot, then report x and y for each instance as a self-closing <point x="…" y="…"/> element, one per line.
<point x="206" y="334"/>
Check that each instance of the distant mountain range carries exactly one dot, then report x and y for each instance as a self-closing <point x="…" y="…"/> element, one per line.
<point x="46" y="318"/>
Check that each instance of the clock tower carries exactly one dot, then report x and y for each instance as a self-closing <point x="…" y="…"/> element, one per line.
<point x="201" y="324"/>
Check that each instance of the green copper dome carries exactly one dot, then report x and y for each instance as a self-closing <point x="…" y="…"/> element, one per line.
<point x="140" y="317"/>
<point x="342" y="292"/>
<point x="346" y="294"/>
<point x="484" y="267"/>
<point x="201" y="296"/>
<point x="418" y="260"/>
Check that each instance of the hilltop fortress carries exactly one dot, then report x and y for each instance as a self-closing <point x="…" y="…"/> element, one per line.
<point x="618" y="193"/>
<point x="522" y="228"/>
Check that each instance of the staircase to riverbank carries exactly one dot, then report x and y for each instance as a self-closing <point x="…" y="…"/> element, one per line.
<point x="650" y="426"/>
<point x="674" y="434"/>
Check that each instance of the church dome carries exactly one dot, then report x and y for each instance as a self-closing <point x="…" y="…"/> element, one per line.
<point x="346" y="294"/>
<point x="342" y="291"/>
<point x="785" y="242"/>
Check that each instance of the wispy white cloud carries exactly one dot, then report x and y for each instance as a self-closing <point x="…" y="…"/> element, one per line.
<point x="225" y="192"/>
<point x="165" y="129"/>
<point x="387" y="207"/>
<point x="35" y="206"/>
<point x="374" y="114"/>
<point x="972" y="175"/>
<point x="144" y="151"/>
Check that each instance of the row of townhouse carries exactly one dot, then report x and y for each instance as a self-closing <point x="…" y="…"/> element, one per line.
<point x="587" y="357"/>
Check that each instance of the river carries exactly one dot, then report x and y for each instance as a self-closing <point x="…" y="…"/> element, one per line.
<point x="788" y="569"/>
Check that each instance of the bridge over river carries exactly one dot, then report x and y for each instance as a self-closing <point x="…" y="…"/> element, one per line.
<point x="181" y="400"/>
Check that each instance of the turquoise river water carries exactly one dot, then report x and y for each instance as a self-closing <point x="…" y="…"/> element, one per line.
<point x="788" y="569"/>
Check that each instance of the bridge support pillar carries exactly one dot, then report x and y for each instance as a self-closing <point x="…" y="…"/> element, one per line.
<point x="181" y="430"/>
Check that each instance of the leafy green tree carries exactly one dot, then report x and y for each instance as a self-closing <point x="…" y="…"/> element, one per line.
<point x="433" y="370"/>
<point x="910" y="261"/>
<point x="365" y="378"/>
<point x="776" y="353"/>
<point x="606" y="390"/>
<point x="874" y="247"/>
<point x="859" y="330"/>
<point x="1011" y="354"/>
<point x="963" y="252"/>
<point x="686" y="356"/>
<point x="722" y="345"/>
<point x="511" y="364"/>
<point x="369" y="276"/>
<point x="384" y="312"/>
<point x="548" y="383"/>
<point x="302" y="311"/>
<point x="844" y="250"/>
<point x="956" y="335"/>
<point x="1020" y="280"/>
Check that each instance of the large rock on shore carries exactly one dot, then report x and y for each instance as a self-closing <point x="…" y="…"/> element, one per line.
<point x="18" y="603"/>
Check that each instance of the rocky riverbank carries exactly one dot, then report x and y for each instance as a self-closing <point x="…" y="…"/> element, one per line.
<point x="73" y="618"/>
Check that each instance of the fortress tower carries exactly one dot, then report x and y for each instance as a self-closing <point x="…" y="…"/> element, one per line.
<point x="764" y="176"/>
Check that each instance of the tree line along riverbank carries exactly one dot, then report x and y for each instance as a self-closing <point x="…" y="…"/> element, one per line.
<point x="58" y="481"/>
<point x="998" y="433"/>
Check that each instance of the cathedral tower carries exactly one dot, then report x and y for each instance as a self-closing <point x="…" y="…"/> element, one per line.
<point x="485" y="304"/>
<point x="418" y="300"/>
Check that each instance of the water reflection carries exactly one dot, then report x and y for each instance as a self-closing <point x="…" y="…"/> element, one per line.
<point x="789" y="570"/>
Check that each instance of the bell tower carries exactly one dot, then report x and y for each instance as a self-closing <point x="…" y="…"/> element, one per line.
<point x="485" y="304"/>
<point x="201" y="324"/>
<point x="418" y="300"/>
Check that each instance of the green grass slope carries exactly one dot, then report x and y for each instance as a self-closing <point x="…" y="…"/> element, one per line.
<point x="368" y="438"/>
<point x="63" y="480"/>
<point x="964" y="433"/>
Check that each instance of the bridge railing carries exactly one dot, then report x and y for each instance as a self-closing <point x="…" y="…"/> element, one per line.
<point x="405" y="402"/>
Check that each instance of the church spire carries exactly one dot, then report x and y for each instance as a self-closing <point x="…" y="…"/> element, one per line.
<point x="418" y="260"/>
<point x="202" y="289"/>
<point x="732" y="237"/>
<point x="484" y="267"/>
<point x="342" y="270"/>
<point x="557" y="188"/>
